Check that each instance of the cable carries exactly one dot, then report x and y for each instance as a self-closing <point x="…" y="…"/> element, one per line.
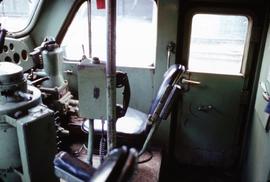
<point x="77" y="152"/>
<point x="102" y="144"/>
<point x="147" y="159"/>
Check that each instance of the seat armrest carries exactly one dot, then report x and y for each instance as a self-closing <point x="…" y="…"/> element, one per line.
<point x="130" y="166"/>
<point x="64" y="162"/>
<point x="118" y="166"/>
<point x="111" y="168"/>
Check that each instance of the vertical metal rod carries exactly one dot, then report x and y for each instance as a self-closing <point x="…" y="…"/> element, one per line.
<point x="149" y="136"/>
<point x="111" y="74"/>
<point x="90" y="141"/>
<point x="89" y="11"/>
<point x="91" y="121"/>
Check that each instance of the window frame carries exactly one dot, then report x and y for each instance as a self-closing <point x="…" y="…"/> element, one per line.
<point x="31" y="22"/>
<point x="60" y="36"/>
<point x="212" y="10"/>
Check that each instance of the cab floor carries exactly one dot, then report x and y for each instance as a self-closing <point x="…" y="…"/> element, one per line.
<point x="183" y="173"/>
<point x="148" y="169"/>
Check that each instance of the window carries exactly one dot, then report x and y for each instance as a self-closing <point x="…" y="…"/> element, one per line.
<point x="15" y="15"/>
<point x="135" y="39"/>
<point x="76" y="38"/>
<point x="217" y="43"/>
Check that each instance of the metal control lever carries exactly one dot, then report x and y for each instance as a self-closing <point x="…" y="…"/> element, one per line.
<point x="170" y="50"/>
<point x="3" y="33"/>
<point x="192" y="82"/>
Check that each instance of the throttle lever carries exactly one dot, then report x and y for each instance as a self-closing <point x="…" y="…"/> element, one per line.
<point x="48" y="44"/>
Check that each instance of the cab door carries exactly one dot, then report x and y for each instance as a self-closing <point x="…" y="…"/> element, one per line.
<point x="210" y="116"/>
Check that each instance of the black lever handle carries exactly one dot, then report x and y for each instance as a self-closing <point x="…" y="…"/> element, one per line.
<point x="122" y="81"/>
<point x="3" y="33"/>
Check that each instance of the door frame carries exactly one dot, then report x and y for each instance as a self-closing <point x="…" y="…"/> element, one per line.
<point x="256" y="18"/>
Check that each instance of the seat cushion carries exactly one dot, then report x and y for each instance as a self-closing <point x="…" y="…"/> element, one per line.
<point x="134" y="122"/>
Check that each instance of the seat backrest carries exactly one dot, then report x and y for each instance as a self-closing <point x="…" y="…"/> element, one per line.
<point x="170" y="78"/>
<point x="162" y="104"/>
<point x="118" y="167"/>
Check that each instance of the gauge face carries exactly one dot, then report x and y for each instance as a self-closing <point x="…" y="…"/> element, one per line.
<point x="7" y="68"/>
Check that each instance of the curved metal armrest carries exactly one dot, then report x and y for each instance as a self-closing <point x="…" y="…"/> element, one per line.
<point x="161" y="107"/>
<point x="118" y="166"/>
<point x="68" y="167"/>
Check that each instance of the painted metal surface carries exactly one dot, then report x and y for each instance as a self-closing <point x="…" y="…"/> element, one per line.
<point x="21" y="48"/>
<point x="210" y="137"/>
<point x="9" y="150"/>
<point x="22" y="117"/>
<point x="10" y="107"/>
<point x="53" y="60"/>
<point x="111" y="74"/>
<point x="214" y="138"/>
<point x="256" y="165"/>
<point x="92" y="90"/>
<point x="34" y="130"/>
<point x="23" y="142"/>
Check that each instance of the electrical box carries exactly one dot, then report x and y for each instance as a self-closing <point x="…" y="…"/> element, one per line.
<point x="92" y="89"/>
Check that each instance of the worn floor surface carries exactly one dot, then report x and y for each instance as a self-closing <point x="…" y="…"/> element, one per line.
<point x="147" y="170"/>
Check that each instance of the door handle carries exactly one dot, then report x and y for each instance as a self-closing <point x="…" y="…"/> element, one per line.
<point x="205" y="108"/>
<point x="191" y="82"/>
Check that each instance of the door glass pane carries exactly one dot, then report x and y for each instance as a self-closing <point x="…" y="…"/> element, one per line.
<point x="217" y="43"/>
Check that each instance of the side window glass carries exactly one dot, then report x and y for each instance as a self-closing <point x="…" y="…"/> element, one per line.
<point x="135" y="39"/>
<point x="15" y="15"/>
<point x="76" y="38"/>
<point x="218" y="43"/>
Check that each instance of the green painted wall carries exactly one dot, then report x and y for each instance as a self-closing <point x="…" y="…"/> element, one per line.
<point x="52" y="17"/>
<point x="167" y="31"/>
<point x="257" y="165"/>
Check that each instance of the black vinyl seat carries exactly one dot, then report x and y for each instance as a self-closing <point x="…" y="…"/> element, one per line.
<point x="118" y="166"/>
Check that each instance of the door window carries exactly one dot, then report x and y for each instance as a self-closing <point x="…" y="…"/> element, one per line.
<point x="218" y="43"/>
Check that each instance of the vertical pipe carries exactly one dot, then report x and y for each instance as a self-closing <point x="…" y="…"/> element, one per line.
<point x="90" y="141"/>
<point x="91" y="121"/>
<point x="111" y="74"/>
<point x="89" y="11"/>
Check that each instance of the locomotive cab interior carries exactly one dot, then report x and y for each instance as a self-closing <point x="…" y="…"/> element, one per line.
<point x="135" y="90"/>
